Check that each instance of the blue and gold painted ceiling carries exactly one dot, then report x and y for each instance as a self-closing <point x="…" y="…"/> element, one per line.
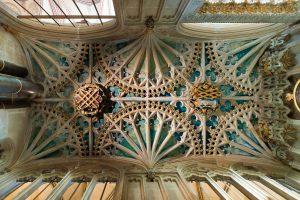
<point x="165" y="98"/>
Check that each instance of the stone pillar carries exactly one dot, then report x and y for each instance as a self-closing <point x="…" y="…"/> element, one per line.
<point x="279" y="188"/>
<point x="8" y="181"/>
<point x="13" y="85"/>
<point x="9" y="189"/>
<point x="12" y="69"/>
<point x="30" y="189"/>
<point x="216" y="187"/>
<point x="185" y="185"/>
<point x="119" y="190"/>
<point x="247" y="189"/>
<point x="60" y="188"/>
<point x="293" y="179"/>
<point x="89" y="189"/>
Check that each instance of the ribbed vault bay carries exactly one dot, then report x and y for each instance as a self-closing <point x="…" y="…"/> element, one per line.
<point x="161" y="99"/>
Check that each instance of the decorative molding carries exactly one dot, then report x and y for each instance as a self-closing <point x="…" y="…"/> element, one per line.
<point x="229" y="31"/>
<point x="249" y="8"/>
<point x="191" y="15"/>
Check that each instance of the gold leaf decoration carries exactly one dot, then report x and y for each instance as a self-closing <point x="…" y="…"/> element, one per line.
<point x="264" y="131"/>
<point x="204" y="96"/>
<point x="288" y="59"/>
<point x="250" y="8"/>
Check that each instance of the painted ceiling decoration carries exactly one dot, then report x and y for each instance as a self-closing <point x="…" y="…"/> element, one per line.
<point x="154" y="98"/>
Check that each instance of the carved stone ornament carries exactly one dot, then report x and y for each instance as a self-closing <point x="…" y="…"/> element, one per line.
<point x="89" y="99"/>
<point x="26" y="179"/>
<point x="150" y="176"/>
<point x="81" y="179"/>
<point x="205" y="97"/>
<point x="52" y="179"/>
<point x="251" y="8"/>
<point x="288" y="59"/>
<point x="264" y="131"/>
<point x="149" y="23"/>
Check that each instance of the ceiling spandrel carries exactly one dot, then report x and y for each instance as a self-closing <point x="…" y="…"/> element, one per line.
<point x="150" y="99"/>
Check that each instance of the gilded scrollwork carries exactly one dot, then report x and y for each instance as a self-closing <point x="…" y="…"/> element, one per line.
<point x="250" y="8"/>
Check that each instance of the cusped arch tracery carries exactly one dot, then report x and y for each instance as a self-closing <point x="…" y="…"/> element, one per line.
<point x="148" y="65"/>
<point x="237" y="62"/>
<point x="153" y="131"/>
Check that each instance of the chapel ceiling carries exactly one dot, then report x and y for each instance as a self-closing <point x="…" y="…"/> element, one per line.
<point x="109" y="19"/>
<point x="153" y="99"/>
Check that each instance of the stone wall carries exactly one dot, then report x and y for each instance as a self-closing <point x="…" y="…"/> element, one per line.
<point x="10" y="48"/>
<point x="13" y="122"/>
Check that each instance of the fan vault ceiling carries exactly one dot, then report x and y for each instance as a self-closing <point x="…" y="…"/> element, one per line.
<point x="160" y="99"/>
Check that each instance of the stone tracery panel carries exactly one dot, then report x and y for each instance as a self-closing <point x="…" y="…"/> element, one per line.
<point x="147" y="65"/>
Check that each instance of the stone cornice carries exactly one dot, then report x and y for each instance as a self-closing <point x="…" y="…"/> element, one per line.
<point x="229" y="33"/>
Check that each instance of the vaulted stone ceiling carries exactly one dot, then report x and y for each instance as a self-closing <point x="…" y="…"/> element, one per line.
<point x="150" y="95"/>
<point x="161" y="99"/>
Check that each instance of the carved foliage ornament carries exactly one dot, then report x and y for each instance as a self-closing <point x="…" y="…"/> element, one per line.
<point x="288" y="59"/>
<point x="250" y="8"/>
<point x="277" y="58"/>
<point x="205" y="97"/>
<point x="264" y="131"/>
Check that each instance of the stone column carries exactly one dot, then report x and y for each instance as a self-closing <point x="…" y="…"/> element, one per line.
<point x="30" y="189"/>
<point x="185" y="185"/>
<point x="119" y="190"/>
<point x="8" y="181"/>
<point x="9" y="189"/>
<point x="12" y="69"/>
<point x="293" y="179"/>
<point x="279" y="188"/>
<point x="247" y="189"/>
<point x="216" y="187"/>
<point x="89" y="189"/>
<point x="13" y="85"/>
<point x="60" y="188"/>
